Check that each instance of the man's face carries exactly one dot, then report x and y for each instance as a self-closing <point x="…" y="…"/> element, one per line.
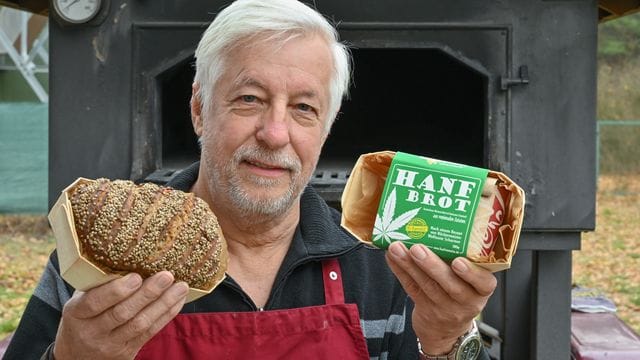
<point x="262" y="138"/>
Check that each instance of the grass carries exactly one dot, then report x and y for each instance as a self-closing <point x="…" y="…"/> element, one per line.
<point x="608" y="261"/>
<point x="610" y="256"/>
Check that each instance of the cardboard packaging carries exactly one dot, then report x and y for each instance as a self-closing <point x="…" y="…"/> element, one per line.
<point x="75" y="268"/>
<point x="362" y="196"/>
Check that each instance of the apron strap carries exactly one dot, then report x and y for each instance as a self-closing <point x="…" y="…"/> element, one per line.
<point x="332" y="277"/>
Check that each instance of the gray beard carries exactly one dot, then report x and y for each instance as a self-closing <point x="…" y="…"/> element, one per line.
<point x="263" y="207"/>
<point x="224" y="178"/>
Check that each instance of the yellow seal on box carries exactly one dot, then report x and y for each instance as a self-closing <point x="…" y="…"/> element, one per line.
<point x="416" y="228"/>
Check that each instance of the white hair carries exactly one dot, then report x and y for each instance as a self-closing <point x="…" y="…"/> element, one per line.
<point x="280" y="21"/>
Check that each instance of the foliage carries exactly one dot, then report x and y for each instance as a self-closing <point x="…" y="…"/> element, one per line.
<point x="619" y="94"/>
<point x="619" y="149"/>
<point x="620" y="38"/>
<point x="619" y="90"/>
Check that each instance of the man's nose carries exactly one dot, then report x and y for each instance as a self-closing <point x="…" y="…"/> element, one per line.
<point x="273" y="129"/>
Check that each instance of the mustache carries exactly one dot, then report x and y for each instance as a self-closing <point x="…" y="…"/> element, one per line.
<point x="277" y="158"/>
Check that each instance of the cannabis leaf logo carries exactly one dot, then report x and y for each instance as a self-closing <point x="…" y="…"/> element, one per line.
<point x="385" y="227"/>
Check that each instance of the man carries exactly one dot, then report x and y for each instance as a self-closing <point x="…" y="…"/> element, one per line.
<point x="270" y="77"/>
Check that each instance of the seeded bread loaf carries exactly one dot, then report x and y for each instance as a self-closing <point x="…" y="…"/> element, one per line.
<point x="123" y="227"/>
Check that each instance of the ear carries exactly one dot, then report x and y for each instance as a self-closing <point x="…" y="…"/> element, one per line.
<point x="196" y="109"/>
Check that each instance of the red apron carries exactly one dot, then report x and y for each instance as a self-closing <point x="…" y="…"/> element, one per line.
<point x="330" y="331"/>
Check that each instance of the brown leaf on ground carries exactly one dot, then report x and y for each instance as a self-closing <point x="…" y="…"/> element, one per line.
<point x="25" y="244"/>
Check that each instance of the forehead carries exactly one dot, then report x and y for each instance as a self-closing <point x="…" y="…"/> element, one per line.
<point x="299" y="62"/>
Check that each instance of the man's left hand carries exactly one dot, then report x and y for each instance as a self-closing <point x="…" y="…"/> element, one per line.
<point x="447" y="298"/>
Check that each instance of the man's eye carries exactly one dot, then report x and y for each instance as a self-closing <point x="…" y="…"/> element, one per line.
<point x="304" y="107"/>
<point x="249" y="98"/>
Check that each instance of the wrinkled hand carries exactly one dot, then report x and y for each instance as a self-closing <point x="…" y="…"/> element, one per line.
<point x="447" y="298"/>
<point x="114" y="320"/>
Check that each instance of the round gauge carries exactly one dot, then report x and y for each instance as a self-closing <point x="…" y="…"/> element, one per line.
<point x="77" y="11"/>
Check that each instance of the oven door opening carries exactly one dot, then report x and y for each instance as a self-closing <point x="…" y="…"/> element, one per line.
<point x="421" y="101"/>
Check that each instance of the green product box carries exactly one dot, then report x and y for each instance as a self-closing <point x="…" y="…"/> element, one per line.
<point x="393" y="196"/>
<point x="429" y="201"/>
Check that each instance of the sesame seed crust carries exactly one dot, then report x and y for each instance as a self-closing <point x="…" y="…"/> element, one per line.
<point x="123" y="227"/>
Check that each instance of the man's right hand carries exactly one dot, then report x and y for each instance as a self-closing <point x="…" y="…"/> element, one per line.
<point x="114" y="320"/>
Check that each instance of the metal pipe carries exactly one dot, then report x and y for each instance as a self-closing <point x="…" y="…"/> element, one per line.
<point x="619" y="122"/>
<point x="26" y="72"/>
<point x="24" y="20"/>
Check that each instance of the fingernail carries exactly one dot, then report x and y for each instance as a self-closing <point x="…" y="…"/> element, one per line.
<point x="459" y="265"/>
<point x="419" y="252"/>
<point x="397" y="249"/>
<point x="180" y="289"/>
<point x="133" y="280"/>
<point x="164" y="281"/>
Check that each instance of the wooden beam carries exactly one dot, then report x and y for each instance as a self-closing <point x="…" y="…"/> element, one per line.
<point x="619" y="7"/>
<point x="35" y="6"/>
<point x="611" y="9"/>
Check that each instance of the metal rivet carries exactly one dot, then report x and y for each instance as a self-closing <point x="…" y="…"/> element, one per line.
<point x="333" y="275"/>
